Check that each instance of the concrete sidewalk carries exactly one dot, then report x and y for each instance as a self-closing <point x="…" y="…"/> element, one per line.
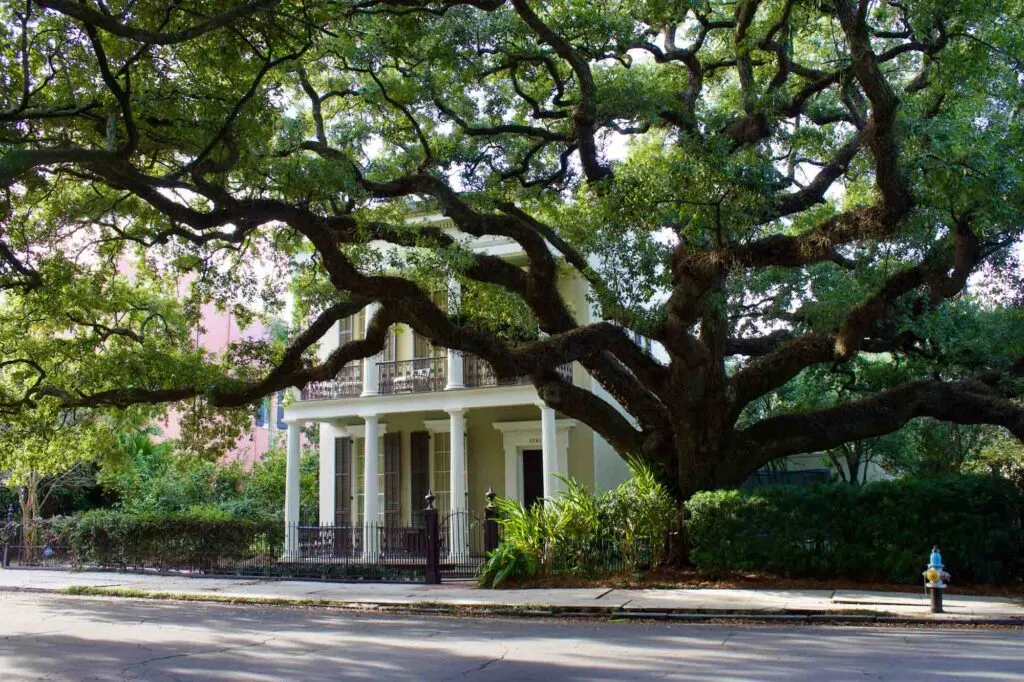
<point x="850" y="605"/>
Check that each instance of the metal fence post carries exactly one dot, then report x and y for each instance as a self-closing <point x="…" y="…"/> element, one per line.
<point x="8" y="532"/>
<point x="490" y="523"/>
<point x="433" y="549"/>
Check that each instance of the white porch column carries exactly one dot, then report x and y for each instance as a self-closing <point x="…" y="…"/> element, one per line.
<point x="458" y="468"/>
<point x="291" y="493"/>
<point x="370" y="380"/>
<point x="549" y="451"/>
<point x="455" y="371"/>
<point x="328" y="434"/>
<point x="459" y="523"/>
<point x="371" y="488"/>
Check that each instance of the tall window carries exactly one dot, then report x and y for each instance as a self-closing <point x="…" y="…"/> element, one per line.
<point x="387" y="472"/>
<point x="442" y="472"/>
<point x="352" y="327"/>
<point x="263" y="412"/>
<point x="422" y="348"/>
<point x="279" y="401"/>
<point x="346" y="329"/>
<point x="388" y="353"/>
<point x="419" y="484"/>
<point x="358" y="462"/>
<point x="342" y="481"/>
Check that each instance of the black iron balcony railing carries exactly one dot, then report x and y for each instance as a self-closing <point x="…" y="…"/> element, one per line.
<point x="420" y="375"/>
<point x="347" y="384"/>
<point x="477" y="372"/>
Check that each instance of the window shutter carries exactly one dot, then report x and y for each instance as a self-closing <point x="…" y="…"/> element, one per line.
<point x="343" y="481"/>
<point x="392" y="470"/>
<point x="419" y="470"/>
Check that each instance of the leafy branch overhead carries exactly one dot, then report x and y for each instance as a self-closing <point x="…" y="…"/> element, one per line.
<point x="761" y="187"/>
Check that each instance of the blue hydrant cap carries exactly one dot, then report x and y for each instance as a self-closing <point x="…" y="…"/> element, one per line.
<point x="936" y="558"/>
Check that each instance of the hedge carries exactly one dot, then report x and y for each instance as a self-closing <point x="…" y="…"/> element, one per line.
<point x="185" y="541"/>
<point x="879" y="532"/>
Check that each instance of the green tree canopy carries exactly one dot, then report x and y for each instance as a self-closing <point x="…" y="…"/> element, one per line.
<point x="764" y="187"/>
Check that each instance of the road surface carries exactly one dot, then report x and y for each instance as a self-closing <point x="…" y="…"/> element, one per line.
<point x="81" y="638"/>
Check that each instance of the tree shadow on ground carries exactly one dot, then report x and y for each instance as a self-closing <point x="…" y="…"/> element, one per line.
<point x="69" y="638"/>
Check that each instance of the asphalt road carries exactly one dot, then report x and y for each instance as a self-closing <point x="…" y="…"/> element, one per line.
<point x="79" y="638"/>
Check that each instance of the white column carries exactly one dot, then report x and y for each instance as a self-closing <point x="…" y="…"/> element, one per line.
<point x="549" y="451"/>
<point x="455" y="371"/>
<point x="291" y="493"/>
<point x="370" y="381"/>
<point x="459" y="523"/>
<point x="328" y="433"/>
<point x="458" y="468"/>
<point x="371" y="488"/>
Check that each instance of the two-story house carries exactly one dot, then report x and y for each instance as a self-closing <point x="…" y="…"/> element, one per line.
<point x="419" y="418"/>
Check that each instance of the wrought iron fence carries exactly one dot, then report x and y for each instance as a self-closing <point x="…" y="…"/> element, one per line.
<point x="347" y="383"/>
<point x="463" y="544"/>
<point x="420" y="375"/>
<point x="371" y="551"/>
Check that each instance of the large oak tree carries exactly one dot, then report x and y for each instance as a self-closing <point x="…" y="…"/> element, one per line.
<point x="761" y="186"/>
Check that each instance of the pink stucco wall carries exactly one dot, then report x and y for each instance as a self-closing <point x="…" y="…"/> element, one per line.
<point x="217" y="330"/>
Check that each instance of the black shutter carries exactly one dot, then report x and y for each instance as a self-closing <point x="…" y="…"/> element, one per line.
<point x="392" y="471"/>
<point x="419" y="442"/>
<point x="343" y="481"/>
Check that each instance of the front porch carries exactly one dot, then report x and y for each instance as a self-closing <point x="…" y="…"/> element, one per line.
<point x="377" y="469"/>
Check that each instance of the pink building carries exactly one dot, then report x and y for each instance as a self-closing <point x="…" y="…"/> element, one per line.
<point x="218" y="330"/>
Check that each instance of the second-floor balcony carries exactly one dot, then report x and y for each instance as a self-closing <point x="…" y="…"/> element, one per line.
<point x="347" y="384"/>
<point x="419" y="375"/>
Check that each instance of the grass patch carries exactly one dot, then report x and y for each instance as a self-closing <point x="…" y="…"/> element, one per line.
<point x="432" y="607"/>
<point x="129" y="593"/>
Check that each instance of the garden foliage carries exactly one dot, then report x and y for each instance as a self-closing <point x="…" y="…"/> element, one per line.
<point x="880" y="532"/>
<point x="159" y="478"/>
<point x="202" y="539"/>
<point x="585" y="534"/>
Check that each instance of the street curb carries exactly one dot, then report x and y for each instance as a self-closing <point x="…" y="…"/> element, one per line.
<point x="596" y="613"/>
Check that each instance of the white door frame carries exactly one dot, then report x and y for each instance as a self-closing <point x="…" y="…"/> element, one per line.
<point x="525" y="435"/>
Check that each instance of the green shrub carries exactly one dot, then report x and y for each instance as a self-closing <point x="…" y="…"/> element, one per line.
<point x="156" y="478"/>
<point x="203" y="538"/>
<point x="583" y="534"/>
<point x="881" y="531"/>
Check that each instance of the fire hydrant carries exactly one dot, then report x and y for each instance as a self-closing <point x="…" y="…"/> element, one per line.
<point x="935" y="579"/>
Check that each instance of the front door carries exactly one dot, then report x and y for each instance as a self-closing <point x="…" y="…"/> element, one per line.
<point x="533" y="477"/>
